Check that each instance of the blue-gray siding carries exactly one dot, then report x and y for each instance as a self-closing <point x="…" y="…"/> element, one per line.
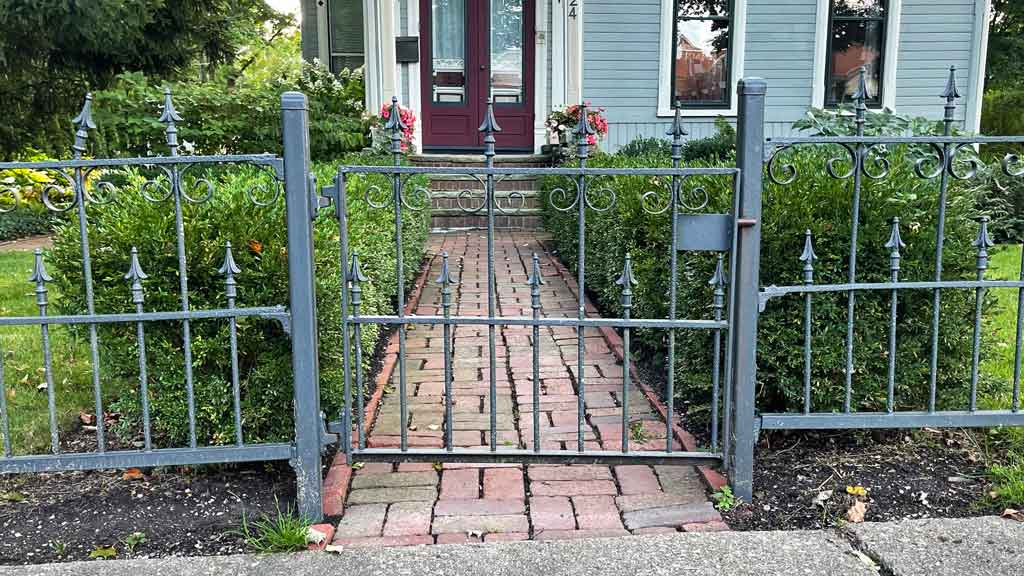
<point x="933" y="35"/>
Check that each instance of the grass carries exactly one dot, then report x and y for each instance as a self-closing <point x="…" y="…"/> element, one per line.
<point x="23" y="372"/>
<point x="1004" y="446"/>
<point x="284" y="532"/>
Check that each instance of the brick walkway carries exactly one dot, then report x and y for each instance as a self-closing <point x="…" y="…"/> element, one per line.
<point x="422" y="503"/>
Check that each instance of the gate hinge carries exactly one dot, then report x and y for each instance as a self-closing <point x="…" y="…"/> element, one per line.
<point x="327" y="435"/>
<point x="318" y="200"/>
<point x="328" y="195"/>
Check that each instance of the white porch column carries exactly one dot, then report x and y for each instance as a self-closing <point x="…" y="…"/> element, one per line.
<point x="379" y="46"/>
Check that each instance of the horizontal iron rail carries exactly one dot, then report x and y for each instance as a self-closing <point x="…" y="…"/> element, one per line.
<point x="876" y="140"/>
<point x="863" y="420"/>
<point x="483" y="171"/>
<point x="260" y="159"/>
<point x="531" y="457"/>
<point x="528" y="321"/>
<point x="773" y="291"/>
<point x="278" y="313"/>
<point x="138" y="458"/>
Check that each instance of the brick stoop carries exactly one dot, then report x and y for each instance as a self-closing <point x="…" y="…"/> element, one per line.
<point x="453" y="195"/>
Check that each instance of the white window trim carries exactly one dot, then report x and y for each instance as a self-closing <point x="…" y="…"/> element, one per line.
<point x="890" y="59"/>
<point x="738" y="50"/>
<point x="982" y="15"/>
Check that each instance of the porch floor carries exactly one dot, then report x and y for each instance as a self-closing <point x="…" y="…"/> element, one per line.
<point x="412" y="503"/>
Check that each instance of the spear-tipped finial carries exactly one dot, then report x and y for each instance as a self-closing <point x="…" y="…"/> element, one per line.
<point x="536" y="279"/>
<point x="626" y="280"/>
<point x="895" y="243"/>
<point x="808" y="257"/>
<point x="83" y="123"/>
<point x="677" y="131"/>
<point x="39" y="274"/>
<point x="445" y="277"/>
<point x="394" y="122"/>
<point x="355" y="274"/>
<point x="490" y="123"/>
<point x="135" y="273"/>
<point x="718" y="278"/>
<point x="983" y="242"/>
<point x="170" y="114"/>
<point x="583" y="127"/>
<point x="229" y="268"/>
<point x="951" y="93"/>
<point x="861" y="94"/>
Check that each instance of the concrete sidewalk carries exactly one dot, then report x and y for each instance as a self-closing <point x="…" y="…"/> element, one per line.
<point x="959" y="547"/>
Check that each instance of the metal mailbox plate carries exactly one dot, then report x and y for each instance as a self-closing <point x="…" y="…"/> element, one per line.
<point x="704" y="232"/>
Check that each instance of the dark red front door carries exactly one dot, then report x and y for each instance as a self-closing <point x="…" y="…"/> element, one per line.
<point x="473" y="50"/>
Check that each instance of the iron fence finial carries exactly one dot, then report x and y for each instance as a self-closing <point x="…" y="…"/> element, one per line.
<point x="170" y="117"/>
<point x="229" y="268"/>
<point x="677" y="131"/>
<point x="808" y="257"/>
<point x="718" y="278"/>
<point x="627" y="281"/>
<point x="136" y="276"/>
<point x="445" y="277"/>
<point x="895" y="244"/>
<point x="983" y="242"/>
<point x="951" y="93"/>
<point x="490" y="123"/>
<point x="861" y="94"/>
<point x="83" y="123"/>
<point x="355" y="274"/>
<point x="395" y="123"/>
<point x="39" y="274"/>
<point x="535" y="279"/>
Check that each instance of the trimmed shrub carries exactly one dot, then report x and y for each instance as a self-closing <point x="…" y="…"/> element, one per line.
<point x="259" y="239"/>
<point x="25" y="221"/>
<point x="822" y="204"/>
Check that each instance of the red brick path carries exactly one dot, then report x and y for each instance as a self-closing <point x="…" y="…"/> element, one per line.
<point x="408" y="504"/>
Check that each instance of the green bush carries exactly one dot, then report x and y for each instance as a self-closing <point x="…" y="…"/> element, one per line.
<point x="1001" y="112"/>
<point x="259" y="239"/>
<point x="720" y="146"/>
<point x="820" y="203"/>
<point x="218" y="118"/>
<point x="25" y="221"/>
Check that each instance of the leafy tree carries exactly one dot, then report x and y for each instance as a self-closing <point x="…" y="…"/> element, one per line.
<point x="53" y="51"/>
<point x="1006" y="45"/>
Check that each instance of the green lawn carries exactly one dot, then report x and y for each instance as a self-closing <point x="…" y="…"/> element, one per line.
<point x="23" y="373"/>
<point x="1006" y="446"/>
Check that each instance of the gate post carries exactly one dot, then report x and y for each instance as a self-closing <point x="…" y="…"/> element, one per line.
<point x="302" y="303"/>
<point x="750" y="160"/>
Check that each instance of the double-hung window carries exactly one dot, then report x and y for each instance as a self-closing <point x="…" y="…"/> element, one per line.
<point x="856" y="38"/>
<point x="702" y="40"/>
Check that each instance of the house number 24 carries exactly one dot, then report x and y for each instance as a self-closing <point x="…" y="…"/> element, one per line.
<point x="572" y="8"/>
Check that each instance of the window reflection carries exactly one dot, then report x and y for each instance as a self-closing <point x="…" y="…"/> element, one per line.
<point x="701" y="72"/>
<point x="856" y="39"/>
<point x="507" y="51"/>
<point x="448" y="44"/>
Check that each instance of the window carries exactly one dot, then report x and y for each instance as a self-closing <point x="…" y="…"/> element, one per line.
<point x="856" y="37"/>
<point x="701" y="53"/>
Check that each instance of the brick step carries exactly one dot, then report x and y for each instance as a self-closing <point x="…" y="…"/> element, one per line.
<point x="445" y="202"/>
<point x="478" y="160"/>
<point x="458" y="182"/>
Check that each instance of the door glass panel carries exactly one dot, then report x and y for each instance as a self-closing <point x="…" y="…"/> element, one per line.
<point x="448" y="42"/>
<point x="507" y="51"/>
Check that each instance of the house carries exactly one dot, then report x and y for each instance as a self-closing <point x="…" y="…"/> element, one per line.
<point x="636" y="59"/>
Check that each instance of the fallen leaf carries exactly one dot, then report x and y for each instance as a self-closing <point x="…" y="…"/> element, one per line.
<point x="12" y="496"/>
<point x="856" y="490"/>
<point x="103" y="552"/>
<point x="42" y="386"/>
<point x="434" y="427"/>
<point x="314" y="536"/>
<point x="821" y="498"/>
<point x="132" y="474"/>
<point x="856" y="512"/>
<point x="358" y="465"/>
<point x="85" y="417"/>
<point x="1012" y="514"/>
<point x="333" y="548"/>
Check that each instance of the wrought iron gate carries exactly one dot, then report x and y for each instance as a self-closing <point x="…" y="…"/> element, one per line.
<point x="734" y="235"/>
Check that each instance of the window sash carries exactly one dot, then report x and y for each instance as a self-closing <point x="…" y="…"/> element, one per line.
<point x="724" y="103"/>
<point x="882" y="20"/>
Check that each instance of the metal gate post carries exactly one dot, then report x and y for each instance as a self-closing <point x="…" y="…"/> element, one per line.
<point x="302" y="302"/>
<point x="749" y="159"/>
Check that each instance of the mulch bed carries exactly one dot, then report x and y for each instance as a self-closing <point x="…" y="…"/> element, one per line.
<point x="183" y="511"/>
<point x="905" y="475"/>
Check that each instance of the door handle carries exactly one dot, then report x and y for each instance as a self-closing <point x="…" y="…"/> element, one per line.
<point x="483" y="67"/>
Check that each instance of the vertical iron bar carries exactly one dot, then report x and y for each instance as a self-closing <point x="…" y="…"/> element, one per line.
<point x="750" y="154"/>
<point x="983" y="243"/>
<point x="5" y="427"/>
<point x="895" y="243"/>
<point x="488" y="127"/>
<point x="397" y="126"/>
<point x="229" y="269"/>
<point x="626" y="281"/>
<point x="169" y="117"/>
<point x="535" y="280"/>
<point x="445" y="280"/>
<point x="302" y="302"/>
<point x="347" y="332"/>
<point x="950" y="94"/>
<point x="40" y="277"/>
<point x="727" y="402"/>
<point x="583" y="133"/>
<point x="860" y="157"/>
<point x="677" y="134"/>
<point x="136" y="276"/>
<point x="1019" y="345"/>
<point x="718" y="282"/>
<point x="356" y="278"/>
<point x="807" y="257"/>
<point x="84" y="123"/>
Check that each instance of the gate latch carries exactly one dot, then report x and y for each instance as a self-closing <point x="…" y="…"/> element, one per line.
<point x="320" y="198"/>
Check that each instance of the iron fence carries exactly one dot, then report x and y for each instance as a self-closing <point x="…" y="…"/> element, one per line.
<point x="863" y="160"/>
<point x="173" y="180"/>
